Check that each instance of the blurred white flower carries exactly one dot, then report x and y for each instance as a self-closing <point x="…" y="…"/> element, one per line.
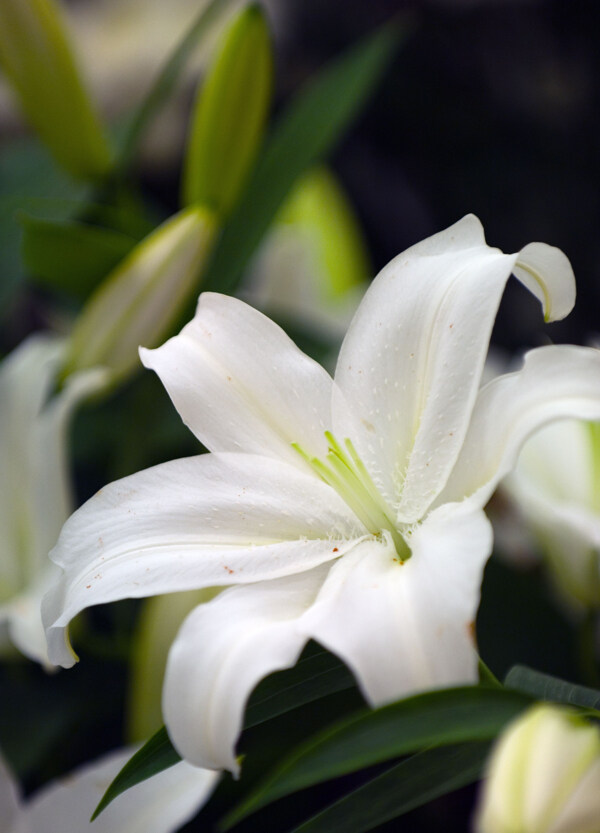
<point x="35" y="493"/>
<point x="313" y="268"/>
<point x="161" y="804"/>
<point x="543" y="776"/>
<point x="348" y="511"/>
<point x="555" y="488"/>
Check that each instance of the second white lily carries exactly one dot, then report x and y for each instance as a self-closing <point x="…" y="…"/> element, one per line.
<point x="348" y="511"/>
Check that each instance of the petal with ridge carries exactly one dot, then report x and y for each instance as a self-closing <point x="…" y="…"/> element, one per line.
<point x="241" y="384"/>
<point x="407" y="627"/>
<point x="204" y="521"/>
<point x="221" y="652"/>
<point x="411" y="363"/>
<point x="556" y="382"/>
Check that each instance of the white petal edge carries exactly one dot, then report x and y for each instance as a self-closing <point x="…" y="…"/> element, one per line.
<point x="569" y="534"/>
<point x="211" y="520"/>
<point x="161" y="804"/>
<point x="221" y="652"/>
<point x="35" y="496"/>
<point x="406" y="628"/>
<point x="556" y="382"/>
<point x="241" y="384"/>
<point x="10" y="801"/>
<point x="411" y="363"/>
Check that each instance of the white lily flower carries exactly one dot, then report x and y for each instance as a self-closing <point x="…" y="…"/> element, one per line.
<point x="543" y="776"/>
<point x="35" y="493"/>
<point x="555" y="487"/>
<point x="161" y="804"/>
<point x="347" y="511"/>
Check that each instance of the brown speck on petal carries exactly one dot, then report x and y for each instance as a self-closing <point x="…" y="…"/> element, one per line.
<point x="335" y="549"/>
<point x="229" y="570"/>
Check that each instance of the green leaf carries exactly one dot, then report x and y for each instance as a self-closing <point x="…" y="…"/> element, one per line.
<point x="372" y="736"/>
<point x="167" y="78"/>
<point x="69" y="255"/>
<point x="544" y="687"/>
<point x="37" y="58"/>
<point x="156" y="754"/>
<point x="410" y="784"/>
<point x="305" y="134"/>
<point x="30" y="182"/>
<point x="229" y="114"/>
<point x="314" y="676"/>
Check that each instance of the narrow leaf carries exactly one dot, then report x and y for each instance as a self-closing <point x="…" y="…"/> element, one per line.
<point x="312" y="677"/>
<point x="157" y="754"/>
<point x="37" y="58"/>
<point x="167" y="78"/>
<point x="229" y="114"/>
<point x="305" y="134"/>
<point x="69" y="255"/>
<point x="404" y="787"/>
<point x="545" y="687"/>
<point x="372" y="736"/>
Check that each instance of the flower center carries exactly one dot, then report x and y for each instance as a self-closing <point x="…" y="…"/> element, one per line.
<point x="345" y="472"/>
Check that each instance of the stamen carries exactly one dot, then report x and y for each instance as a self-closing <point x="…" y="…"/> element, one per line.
<point x="345" y="472"/>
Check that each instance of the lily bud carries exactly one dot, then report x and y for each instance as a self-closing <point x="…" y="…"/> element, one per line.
<point x="543" y="776"/>
<point x="229" y="114"/>
<point x="314" y="267"/>
<point x="140" y="300"/>
<point x="37" y="58"/>
<point x="556" y="490"/>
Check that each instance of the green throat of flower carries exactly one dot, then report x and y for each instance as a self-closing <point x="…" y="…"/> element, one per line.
<point x="344" y="471"/>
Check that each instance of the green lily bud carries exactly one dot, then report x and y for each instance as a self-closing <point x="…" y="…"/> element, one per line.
<point x="141" y="298"/>
<point x="229" y="114"/>
<point x="37" y="58"/>
<point x="543" y="776"/>
<point x="314" y="266"/>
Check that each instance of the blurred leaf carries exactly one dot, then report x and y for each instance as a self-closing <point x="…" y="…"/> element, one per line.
<point x="71" y="256"/>
<point x="410" y="784"/>
<point x="156" y="754"/>
<point x="229" y="114"/>
<point x="157" y="625"/>
<point x="307" y="132"/>
<point x="372" y="736"/>
<point x="138" y="302"/>
<point x="30" y="182"/>
<point x="544" y="687"/>
<point x="37" y="58"/>
<point x="167" y="78"/>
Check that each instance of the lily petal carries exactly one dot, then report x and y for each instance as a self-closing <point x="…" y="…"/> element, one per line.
<point x="407" y="627"/>
<point x="10" y="800"/>
<point x="556" y="382"/>
<point x="204" y="521"/>
<point x="160" y="804"/>
<point x="35" y="493"/>
<point x="221" y="652"/>
<point x="411" y="363"/>
<point x="241" y="384"/>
